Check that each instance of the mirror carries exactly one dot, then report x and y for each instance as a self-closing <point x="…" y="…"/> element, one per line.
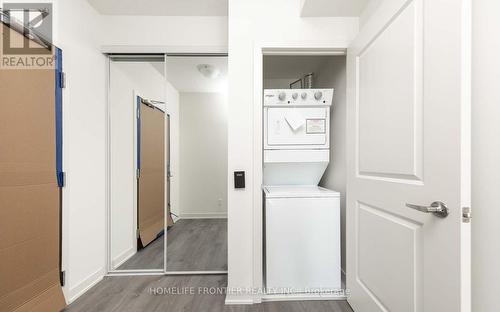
<point x="197" y="92"/>
<point x="138" y="161"/>
<point x="168" y="163"/>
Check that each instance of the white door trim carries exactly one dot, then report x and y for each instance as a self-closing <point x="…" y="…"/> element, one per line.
<point x="162" y="49"/>
<point x="466" y="153"/>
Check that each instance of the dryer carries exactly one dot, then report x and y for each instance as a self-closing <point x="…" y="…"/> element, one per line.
<point x="296" y="135"/>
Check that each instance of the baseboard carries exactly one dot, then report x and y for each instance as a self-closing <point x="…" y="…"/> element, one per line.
<point x="124" y="256"/>
<point x="175" y="218"/>
<point x="210" y="215"/>
<point x="73" y="293"/>
<point x="239" y="299"/>
<point x="303" y="297"/>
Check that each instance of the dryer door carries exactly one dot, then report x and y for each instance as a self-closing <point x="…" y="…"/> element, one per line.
<point x="296" y="127"/>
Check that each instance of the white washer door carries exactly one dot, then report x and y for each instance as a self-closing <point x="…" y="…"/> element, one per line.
<point x="302" y="245"/>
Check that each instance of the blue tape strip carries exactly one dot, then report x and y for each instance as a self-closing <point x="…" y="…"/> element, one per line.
<point x="139" y="100"/>
<point x="59" y="129"/>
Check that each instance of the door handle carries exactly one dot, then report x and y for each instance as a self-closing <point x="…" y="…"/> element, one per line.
<point x="437" y="208"/>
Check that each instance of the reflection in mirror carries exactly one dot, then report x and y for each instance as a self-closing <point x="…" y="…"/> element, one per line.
<point x="197" y="92"/>
<point x="137" y="163"/>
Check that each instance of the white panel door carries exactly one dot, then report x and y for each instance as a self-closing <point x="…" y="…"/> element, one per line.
<point x="409" y="143"/>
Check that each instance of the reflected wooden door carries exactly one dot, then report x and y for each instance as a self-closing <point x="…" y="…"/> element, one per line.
<point x="151" y="172"/>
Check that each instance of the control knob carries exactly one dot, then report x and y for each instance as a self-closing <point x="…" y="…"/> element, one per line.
<point x="318" y="95"/>
<point x="282" y="96"/>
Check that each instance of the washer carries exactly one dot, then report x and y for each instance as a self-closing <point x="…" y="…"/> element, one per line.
<point x="302" y="239"/>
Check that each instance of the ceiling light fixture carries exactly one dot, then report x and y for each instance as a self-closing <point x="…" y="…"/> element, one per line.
<point x="208" y="70"/>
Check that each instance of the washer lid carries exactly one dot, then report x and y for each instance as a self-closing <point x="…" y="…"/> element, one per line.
<point x="298" y="191"/>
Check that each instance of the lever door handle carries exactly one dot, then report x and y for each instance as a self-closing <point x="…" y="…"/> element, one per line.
<point x="437" y="208"/>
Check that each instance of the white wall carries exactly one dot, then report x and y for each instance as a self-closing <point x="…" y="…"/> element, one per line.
<point x="277" y="83"/>
<point x="252" y="22"/>
<point x="203" y="155"/>
<point x="370" y="8"/>
<point x="84" y="105"/>
<point x="126" y="79"/>
<point x="333" y="75"/>
<point x="178" y="33"/>
<point x="280" y="71"/>
<point x="172" y="108"/>
<point x="485" y="155"/>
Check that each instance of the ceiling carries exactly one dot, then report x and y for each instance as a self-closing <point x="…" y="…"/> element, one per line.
<point x="161" y="7"/>
<point x="332" y="8"/>
<point x="308" y="8"/>
<point x="185" y="77"/>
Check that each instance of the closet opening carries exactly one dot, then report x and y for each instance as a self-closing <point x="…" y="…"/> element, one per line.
<point x="303" y="175"/>
<point x="167" y="164"/>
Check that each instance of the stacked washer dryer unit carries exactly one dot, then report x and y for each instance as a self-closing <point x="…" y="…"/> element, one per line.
<point x="302" y="220"/>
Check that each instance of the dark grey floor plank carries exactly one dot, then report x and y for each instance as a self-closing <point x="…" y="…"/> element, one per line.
<point x="197" y="244"/>
<point x="150" y="257"/>
<point x="193" y="245"/>
<point x="133" y="294"/>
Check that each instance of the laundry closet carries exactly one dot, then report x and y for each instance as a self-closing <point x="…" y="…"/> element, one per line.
<point x="304" y="173"/>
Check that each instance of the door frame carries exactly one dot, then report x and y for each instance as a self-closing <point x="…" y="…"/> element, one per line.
<point x="260" y="50"/>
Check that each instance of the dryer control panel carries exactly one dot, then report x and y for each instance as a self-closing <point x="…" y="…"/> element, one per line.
<point x="298" y="97"/>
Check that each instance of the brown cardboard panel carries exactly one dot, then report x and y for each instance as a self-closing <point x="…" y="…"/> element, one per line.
<point x="48" y="301"/>
<point x="151" y="193"/>
<point x="29" y="196"/>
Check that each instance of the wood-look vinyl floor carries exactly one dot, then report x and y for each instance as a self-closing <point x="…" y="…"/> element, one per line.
<point x="193" y="245"/>
<point x="136" y="294"/>
<point x="199" y="244"/>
